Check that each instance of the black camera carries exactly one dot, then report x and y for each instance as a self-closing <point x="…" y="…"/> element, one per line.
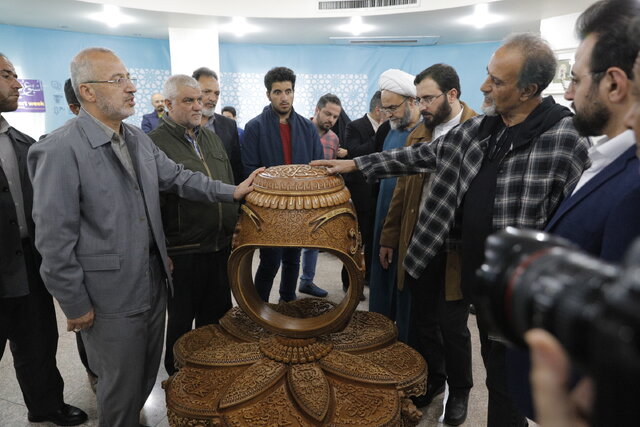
<point x="531" y="279"/>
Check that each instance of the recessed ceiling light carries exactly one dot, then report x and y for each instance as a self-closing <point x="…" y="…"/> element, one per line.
<point x="111" y="16"/>
<point x="356" y="26"/>
<point x="481" y="17"/>
<point x="239" y="26"/>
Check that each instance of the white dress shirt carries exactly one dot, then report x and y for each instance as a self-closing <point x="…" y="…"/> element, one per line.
<point x="604" y="153"/>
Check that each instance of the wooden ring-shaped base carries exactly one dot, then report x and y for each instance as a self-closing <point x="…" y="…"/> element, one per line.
<point x="244" y="291"/>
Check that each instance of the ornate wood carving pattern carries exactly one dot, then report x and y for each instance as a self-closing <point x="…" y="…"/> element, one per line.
<point x="276" y="409"/>
<point x="196" y="391"/>
<point x="365" y="331"/>
<point x="310" y="389"/>
<point x="356" y="368"/>
<point x="253" y="381"/>
<point x="359" y="405"/>
<point x="407" y="366"/>
<point x="306" y="363"/>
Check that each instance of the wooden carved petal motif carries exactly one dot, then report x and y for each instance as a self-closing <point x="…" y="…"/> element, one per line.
<point x="356" y="368"/>
<point x="254" y="380"/>
<point x="310" y="389"/>
<point x="232" y="355"/>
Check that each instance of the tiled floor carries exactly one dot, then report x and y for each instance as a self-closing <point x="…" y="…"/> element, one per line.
<point x="77" y="392"/>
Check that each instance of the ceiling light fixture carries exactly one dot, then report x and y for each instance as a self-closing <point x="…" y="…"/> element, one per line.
<point x="239" y="26"/>
<point x="481" y="17"/>
<point x="112" y="16"/>
<point x="356" y="26"/>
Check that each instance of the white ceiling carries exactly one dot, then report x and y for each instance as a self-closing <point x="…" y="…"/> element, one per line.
<point x="428" y="18"/>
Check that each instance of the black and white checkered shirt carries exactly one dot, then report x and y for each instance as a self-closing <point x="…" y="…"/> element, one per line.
<point x="533" y="178"/>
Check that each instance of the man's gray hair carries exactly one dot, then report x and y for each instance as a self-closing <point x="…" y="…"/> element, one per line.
<point x="82" y="69"/>
<point x="540" y="62"/>
<point x="174" y="83"/>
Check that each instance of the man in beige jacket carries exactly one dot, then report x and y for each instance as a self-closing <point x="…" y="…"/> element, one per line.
<point x="436" y="322"/>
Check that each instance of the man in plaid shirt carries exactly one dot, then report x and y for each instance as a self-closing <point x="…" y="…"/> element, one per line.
<point x="509" y="167"/>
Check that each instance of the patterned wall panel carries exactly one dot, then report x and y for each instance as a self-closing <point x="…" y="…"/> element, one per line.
<point x="246" y="92"/>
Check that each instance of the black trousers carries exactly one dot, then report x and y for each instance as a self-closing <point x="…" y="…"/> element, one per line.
<point x="439" y="329"/>
<point x="29" y="324"/>
<point x="201" y="292"/>
<point x="501" y="411"/>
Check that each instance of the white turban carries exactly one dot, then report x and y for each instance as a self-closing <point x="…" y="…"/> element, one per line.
<point x="397" y="81"/>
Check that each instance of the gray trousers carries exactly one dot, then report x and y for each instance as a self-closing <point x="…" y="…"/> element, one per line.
<point x="125" y="354"/>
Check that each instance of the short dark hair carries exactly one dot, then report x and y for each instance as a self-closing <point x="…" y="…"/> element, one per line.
<point x="70" y="94"/>
<point x="444" y="75"/>
<point x="540" y="63"/>
<point x="610" y="21"/>
<point x="230" y="109"/>
<point x="279" y="74"/>
<point x="376" y="101"/>
<point x="328" y="98"/>
<point x="204" y="71"/>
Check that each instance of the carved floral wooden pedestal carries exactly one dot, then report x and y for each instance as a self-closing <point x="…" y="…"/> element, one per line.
<point x="305" y="363"/>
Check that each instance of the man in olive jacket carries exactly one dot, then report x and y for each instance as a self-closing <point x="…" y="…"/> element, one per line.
<point x="198" y="234"/>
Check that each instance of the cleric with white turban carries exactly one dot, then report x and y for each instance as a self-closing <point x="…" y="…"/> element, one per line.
<point x="398" y="81"/>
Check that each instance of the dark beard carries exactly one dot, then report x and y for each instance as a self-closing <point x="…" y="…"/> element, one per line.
<point x="431" y="121"/>
<point x="591" y="122"/>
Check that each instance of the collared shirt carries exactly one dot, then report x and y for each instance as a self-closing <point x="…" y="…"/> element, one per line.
<point x="118" y="145"/>
<point x="604" y="153"/>
<point x="9" y="163"/>
<point x="193" y="142"/>
<point x="330" y="144"/>
<point x="210" y="124"/>
<point x="374" y="123"/>
<point x="122" y="153"/>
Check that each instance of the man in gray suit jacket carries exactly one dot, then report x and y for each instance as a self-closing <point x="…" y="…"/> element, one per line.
<point x="97" y="212"/>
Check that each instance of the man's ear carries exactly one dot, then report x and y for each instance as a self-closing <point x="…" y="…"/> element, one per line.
<point x="452" y="95"/>
<point x="87" y="93"/>
<point x="268" y="96"/>
<point x="168" y="104"/>
<point x="529" y="92"/>
<point x="616" y="84"/>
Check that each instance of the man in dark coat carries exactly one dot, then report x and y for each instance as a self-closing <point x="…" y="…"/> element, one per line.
<point x="364" y="136"/>
<point x="224" y="127"/>
<point x="279" y="136"/>
<point x="27" y="314"/>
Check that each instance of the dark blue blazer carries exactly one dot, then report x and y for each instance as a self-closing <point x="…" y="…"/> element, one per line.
<point x="603" y="216"/>
<point x="150" y="122"/>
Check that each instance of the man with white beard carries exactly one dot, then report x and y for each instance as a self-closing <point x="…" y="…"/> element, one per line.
<point x="398" y="96"/>
<point x="509" y="167"/>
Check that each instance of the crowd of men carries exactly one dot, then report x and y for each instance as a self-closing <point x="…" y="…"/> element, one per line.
<point x="124" y="226"/>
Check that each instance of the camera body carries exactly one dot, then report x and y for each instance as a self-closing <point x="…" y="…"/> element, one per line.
<point x="531" y="279"/>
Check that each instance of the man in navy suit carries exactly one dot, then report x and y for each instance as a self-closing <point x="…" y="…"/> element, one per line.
<point x="150" y="121"/>
<point x="601" y="215"/>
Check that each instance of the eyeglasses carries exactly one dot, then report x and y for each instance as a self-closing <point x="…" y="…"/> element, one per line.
<point x="428" y="100"/>
<point x="575" y="80"/>
<point x="392" y="108"/>
<point x="120" y="81"/>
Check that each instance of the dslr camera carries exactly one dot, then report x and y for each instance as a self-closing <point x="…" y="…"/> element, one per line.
<point x="531" y="279"/>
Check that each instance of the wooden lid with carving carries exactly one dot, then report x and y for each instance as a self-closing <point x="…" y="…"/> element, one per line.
<point x="297" y="206"/>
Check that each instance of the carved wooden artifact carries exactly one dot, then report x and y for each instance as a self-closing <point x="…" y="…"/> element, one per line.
<point x="310" y="362"/>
